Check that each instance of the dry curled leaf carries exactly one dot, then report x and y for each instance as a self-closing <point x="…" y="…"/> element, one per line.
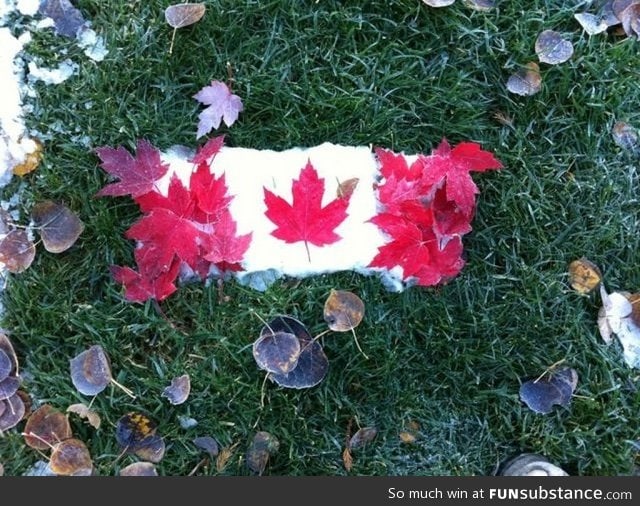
<point x="31" y="161"/>
<point x="591" y="23"/>
<point x="552" y="48"/>
<point x="17" y="251"/>
<point x="178" y="391"/>
<point x="91" y="370"/>
<point x="527" y="81"/>
<point x="83" y="411"/>
<point x="223" y="457"/>
<point x="207" y="444"/>
<point x="347" y="459"/>
<point x="347" y="187"/>
<point x="59" y="227"/>
<point x="584" y="275"/>
<point x="362" y="436"/>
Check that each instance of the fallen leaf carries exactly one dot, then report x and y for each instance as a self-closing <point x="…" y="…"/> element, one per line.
<point x="625" y="136"/>
<point x="151" y="449"/>
<point x="622" y="312"/>
<point x="551" y="48"/>
<point x="222" y="106"/>
<point x="540" y="395"/>
<point x="347" y="459"/>
<point x="208" y="444"/>
<point x="347" y="187"/>
<point x="67" y="20"/>
<point x="134" y="430"/>
<point x="343" y="311"/>
<point x="362" y="436"/>
<point x="71" y="458"/>
<point x="603" y="326"/>
<point x="407" y="437"/>
<point x="312" y="364"/>
<point x="480" y="5"/>
<point x="438" y="3"/>
<point x="181" y="15"/>
<point x="223" y="457"/>
<point x="526" y="81"/>
<point x="6" y="222"/>
<point x="9" y="386"/>
<point x="83" y="411"/>
<point x="530" y="464"/>
<point x="7" y="348"/>
<point x="13" y="411"/>
<point x="262" y="447"/>
<point x="139" y="469"/>
<point x="619" y="6"/>
<point x="178" y="391"/>
<point x="6" y="366"/>
<point x="305" y="219"/>
<point x="91" y="370"/>
<point x="138" y="175"/>
<point x="45" y="427"/>
<point x="591" y="23"/>
<point x="584" y="275"/>
<point x="58" y="226"/>
<point x="31" y="162"/>
<point x="17" y="251"/>
<point x="277" y="352"/>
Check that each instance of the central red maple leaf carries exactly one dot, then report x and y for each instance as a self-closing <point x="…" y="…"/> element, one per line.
<point x="305" y="219"/>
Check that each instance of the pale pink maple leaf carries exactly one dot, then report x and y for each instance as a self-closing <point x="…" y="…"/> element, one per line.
<point x="223" y="105"/>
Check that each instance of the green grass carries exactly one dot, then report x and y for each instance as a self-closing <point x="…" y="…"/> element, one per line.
<point x="393" y="74"/>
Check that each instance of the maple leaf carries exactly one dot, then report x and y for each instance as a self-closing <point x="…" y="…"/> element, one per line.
<point x="208" y="150"/>
<point x="224" y="247"/>
<point x="139" y="286"/>
<point x="170" y="235"/>
<point x="223" y="105"/>
<point x="178" y="199"/>
<point x="210" y="194"/>
<point x="402" y="182"/>
<point x="305" y="219"/>
<point x="453" y="166"/>
<point x="137" y="175"/>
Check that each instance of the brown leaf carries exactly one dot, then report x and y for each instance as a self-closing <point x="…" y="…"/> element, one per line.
<point x="83" y="411"/>
<point x="139" y="469"/>
<point x="71" y="458"/>
<point x="347" y="459"/>
<point x="526" y="81"/>
<point x="59" y="227"/>
<point x="31" y="161"/>
<point x="480" y="5"/>
<point x="151" y="449"/>
<point x="343" y="311"/>
<point x="90" y="370"/>
<point x="347" y="187"/>
<point x="17" y="251"/>
<point x="625" y="136"/>
<point x="262" y="447"/>
<point x="551" y="48"/>
<point x="363" y="436"/>
<point x="407" y="437"/>
<point x="223" y="457"/>
<point x="584" y="275"/>
<point x="181" y="15"/>
<point x="619" y="6"/>
<point x="45" y="427"/>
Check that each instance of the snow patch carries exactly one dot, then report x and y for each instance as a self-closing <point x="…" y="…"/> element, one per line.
<point x="54" y="75"/>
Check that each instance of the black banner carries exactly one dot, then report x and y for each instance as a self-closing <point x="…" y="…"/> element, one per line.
<point x="329" y="491"/>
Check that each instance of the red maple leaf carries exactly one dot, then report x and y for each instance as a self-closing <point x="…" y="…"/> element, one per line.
<point x="140" y="286"/>
<point x="178" y="199"/>
<point x="305" y="219"/>
<point x="208" y="150"/>
<point x="170" y="235"/>
<point x="453" y="166"/>
<point x="137" y="175"/>
<point x="209" y="193"/>
<point x="224" y="247"/>
<point x="401" y="181"/>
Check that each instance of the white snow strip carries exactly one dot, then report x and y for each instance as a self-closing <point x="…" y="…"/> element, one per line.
<point x="55" y="75"/>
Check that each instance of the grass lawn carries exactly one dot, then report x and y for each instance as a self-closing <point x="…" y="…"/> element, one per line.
<point x="451" y="359"/>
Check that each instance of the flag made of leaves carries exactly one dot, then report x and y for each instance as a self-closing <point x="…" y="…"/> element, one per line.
<point x="189" y="227"/>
